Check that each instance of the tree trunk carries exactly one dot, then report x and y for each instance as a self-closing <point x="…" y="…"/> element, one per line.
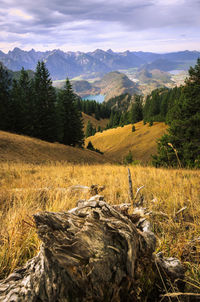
<point x="95" y="252"/>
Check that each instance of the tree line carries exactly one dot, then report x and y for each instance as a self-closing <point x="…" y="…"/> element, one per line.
<point x="32" y="107"/>
<point x="159" y="103"/>
<point x="91" y="107"/>
<point x="122" y="118"/>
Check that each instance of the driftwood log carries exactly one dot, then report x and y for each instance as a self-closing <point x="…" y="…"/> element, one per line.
<point x="94" y="252"/>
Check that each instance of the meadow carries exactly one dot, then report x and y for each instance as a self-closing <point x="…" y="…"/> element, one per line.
<point x="117" y="142"/>
<point x="26" y="189"/>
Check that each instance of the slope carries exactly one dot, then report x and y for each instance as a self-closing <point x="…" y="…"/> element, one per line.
<point x="116" y="143"/>
<point x="19" y="148"/>
<point x="114" y="84"/>
<point x="102" y="122"/>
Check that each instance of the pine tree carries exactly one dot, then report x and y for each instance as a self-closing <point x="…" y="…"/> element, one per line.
<point x="5" y="82"/>
<point x="71" y="117"/>
<point x="181" y="146"/>
<point x="136" y="113"/>
<point x="44" y="105"/>
<point x="21" y="105"/>
<point x="89" y="129"/>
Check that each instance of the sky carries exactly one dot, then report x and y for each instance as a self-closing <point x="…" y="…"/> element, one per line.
<point x="85" y="25"/>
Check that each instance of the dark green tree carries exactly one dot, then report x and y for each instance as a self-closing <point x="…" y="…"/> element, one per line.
<point x="44" y="111"/>
<point x="70" y="116"/>
<point x="22" y="104"/>
<point x="5" y="82"/>
<point x="136" y="112"/>
<point x="90" y="146"/>
<point x="90" y="130"/>
<point x="99" y="129"/>
<point x="128" y="158"/>
<point x="181" y="146"/>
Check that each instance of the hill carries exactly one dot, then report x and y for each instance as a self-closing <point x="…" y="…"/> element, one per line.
<point x="102" y="122"/>
<point x="116" y="143"/>
<point x="116" y="83"/>
<point x="19" y="148"/>
<point x="112" y="84"/>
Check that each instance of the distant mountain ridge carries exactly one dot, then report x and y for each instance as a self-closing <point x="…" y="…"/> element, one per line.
<point x="71" y="64"/>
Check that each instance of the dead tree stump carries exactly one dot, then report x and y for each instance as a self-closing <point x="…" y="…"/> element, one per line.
<point x="95" y="252"/>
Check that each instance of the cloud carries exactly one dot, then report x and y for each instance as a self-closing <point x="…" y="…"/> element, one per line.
<point x="98" y="23"/>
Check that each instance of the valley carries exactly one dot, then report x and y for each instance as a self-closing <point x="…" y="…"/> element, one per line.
<point x="131" y="80"/>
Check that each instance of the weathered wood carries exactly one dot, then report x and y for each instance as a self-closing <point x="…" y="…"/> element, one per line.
<point x="130" y="185"/>
<point x="95" y="252"/>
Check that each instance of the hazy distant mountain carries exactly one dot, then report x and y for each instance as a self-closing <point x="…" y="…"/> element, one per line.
<point x="16" y="74"/>
<point x="71" y="64"/>
<point x="161" y="64"/>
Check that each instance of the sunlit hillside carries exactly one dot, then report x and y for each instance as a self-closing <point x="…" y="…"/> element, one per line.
<point x="21" y="148"/>
<point x="116" y="143"/>
<point x="102" y="122"/>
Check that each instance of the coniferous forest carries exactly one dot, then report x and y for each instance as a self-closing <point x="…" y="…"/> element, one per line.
<point x="32" y="107"/>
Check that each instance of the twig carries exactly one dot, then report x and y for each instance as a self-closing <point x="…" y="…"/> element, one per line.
<point x="138" y="190"/>
<point x="130" y="185"/>
<point x="180" y="294"/>
<point x="180" y="211"/>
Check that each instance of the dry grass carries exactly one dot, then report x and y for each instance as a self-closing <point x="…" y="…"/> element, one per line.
<point x="165" y="190"/>
<point x="116" y="143"/>
<point x="102" y="122"/>
<point x="22" y="148"/>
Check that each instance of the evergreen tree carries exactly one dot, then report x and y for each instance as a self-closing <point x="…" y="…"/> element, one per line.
<point x="136" y="113"/>
<point x="70" y="117"/>
<point x="89" y="129"/>
<point x="133" y="128"/>
<point x="22" y="104"/>
<point x="182" y="143"/>
<point x="5" y="82"/>
<point x="44" y="111"/>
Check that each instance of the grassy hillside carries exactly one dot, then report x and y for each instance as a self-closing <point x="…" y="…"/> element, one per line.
<point x="19" y="148"/>
<point x="165" y="191"/>
<point x="116" y="143"/>
<point x="95" y="122"/>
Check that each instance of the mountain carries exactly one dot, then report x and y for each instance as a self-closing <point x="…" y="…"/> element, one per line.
<point x="161" y="64"/>
<point x="116" y="83"/>
<point x="16" y="74"/>
<point x="72" y="64"/>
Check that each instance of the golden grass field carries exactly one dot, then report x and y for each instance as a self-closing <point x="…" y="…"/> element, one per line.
<point x="116" y="143"/>
<point x="26" y="189"/>
<point x="21" y="148"/>
<point x="31" y="171"/>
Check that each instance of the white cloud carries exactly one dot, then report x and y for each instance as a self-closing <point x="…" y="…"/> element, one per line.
<point x="19" y="14"/>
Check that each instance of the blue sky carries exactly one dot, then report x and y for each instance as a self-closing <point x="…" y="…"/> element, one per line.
<point x="85" y="25"/>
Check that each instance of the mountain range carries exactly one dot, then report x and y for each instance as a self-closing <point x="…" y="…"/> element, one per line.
<point x="99" y="62"/>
